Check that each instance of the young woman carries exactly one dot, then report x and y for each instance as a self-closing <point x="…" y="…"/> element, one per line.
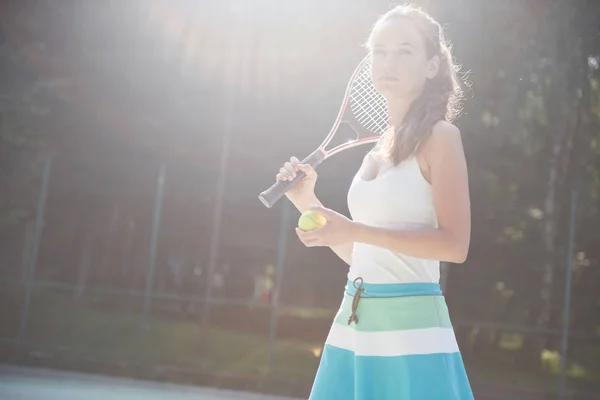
<point x="392" y="337"/>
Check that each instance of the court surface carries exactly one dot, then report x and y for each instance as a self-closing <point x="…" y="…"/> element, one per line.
<point x="18" y="383"/>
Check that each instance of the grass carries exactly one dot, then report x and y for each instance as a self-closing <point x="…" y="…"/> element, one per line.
<point x="118" y="335"/>
<point x="57" y="323"/>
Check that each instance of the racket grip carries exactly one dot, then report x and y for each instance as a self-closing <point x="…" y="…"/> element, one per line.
<point x="272" y="195"/>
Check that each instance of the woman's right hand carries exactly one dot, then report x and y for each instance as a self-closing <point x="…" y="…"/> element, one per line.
<point x="303" y="189"/>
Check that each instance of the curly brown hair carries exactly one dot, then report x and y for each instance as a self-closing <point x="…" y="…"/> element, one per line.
<point x="441" y="96"/>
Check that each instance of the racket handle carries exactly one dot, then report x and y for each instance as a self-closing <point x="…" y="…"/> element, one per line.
<point x="272" y="195"/>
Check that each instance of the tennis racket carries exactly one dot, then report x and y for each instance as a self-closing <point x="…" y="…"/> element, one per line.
<point x="363" y="109"/>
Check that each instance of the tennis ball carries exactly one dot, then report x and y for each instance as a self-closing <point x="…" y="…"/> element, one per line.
<point x="310" y="220"/>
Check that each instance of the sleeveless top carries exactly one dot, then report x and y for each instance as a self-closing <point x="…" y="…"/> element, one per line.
<point x="401" y="198"/>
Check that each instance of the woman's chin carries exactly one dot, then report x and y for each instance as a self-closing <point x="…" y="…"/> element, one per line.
<point x="390" y="90"/>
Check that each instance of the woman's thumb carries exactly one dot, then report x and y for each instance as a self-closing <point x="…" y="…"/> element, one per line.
<point x="307" y="169"/>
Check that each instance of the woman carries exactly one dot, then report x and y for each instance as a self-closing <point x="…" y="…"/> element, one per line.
<point x="392" y="337"/>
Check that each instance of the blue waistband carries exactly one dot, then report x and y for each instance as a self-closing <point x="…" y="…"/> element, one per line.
<point x="394" y="289"/>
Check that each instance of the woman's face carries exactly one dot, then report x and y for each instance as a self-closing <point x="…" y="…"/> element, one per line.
<point x="400" y="61"/>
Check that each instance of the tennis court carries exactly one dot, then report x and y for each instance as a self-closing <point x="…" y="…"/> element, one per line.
<point x="18" y="383"/>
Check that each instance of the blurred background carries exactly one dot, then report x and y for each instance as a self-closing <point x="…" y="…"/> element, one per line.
<point x="136" y="135"/>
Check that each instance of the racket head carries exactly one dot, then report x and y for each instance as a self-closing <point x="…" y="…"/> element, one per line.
<point x="364" y="111"/>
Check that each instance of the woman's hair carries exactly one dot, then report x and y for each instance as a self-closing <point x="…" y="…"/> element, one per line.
<point x="441" y="95"/>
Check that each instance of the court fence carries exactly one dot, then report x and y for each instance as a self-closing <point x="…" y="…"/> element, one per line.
<point x="181" y="325"/>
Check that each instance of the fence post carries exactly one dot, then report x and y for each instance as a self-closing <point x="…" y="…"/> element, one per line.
<point x="37" y="235"/>
<point x="160" y="188"/>
<point x="215" y="236"/>
<point x="567" y="303"/>
<point x="27" y="246"/>
<point x="281" y="254"/>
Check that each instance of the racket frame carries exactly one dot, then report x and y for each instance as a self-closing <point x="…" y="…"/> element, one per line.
<point x="270" y="196"/>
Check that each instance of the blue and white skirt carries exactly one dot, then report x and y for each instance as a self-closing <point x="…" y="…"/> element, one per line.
<point x="389" y="342"/>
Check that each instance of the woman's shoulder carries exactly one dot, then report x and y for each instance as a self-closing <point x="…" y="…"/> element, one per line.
<point x="444" y="137"/>
<point x="445" y="130"/>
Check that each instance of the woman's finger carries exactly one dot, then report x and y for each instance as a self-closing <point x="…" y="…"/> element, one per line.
<point x="308" y="238"/>
<point x="290" y="168"/>
<point x="295" y="162"/>
<point x="283" y="174"/>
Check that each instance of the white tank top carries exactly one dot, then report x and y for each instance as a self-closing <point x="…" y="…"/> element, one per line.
<point x="401" y="198"/>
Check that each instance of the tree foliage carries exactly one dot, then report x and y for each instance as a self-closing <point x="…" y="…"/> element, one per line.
<point x="170" y="81"/>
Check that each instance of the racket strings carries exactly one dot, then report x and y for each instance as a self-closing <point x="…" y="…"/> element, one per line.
<point x="369" y="109"/>
<point x="367" y="104"/>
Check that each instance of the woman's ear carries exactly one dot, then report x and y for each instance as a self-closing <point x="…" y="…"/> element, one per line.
<point x="433" y="66"/>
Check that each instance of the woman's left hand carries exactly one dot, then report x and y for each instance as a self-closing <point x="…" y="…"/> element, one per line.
<point x="337" y="230"/>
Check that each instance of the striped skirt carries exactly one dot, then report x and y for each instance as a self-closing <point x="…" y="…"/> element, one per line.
<point x="391" y="342"/>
